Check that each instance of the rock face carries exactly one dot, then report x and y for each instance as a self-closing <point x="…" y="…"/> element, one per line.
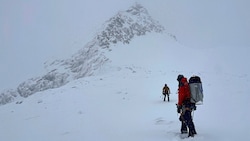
<point x="125" y="25"/>
<point x="121" y="28"/>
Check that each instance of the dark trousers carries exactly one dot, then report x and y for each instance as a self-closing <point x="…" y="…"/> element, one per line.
<point x="187" y="122"/>
<point x="165" y="97"/>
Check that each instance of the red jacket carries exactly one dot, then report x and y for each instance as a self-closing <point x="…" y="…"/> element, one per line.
<point x="183" y="91"/>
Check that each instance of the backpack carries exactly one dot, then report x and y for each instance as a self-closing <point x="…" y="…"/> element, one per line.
<point x="196" y="90"/>
<point x="165" y="90"/>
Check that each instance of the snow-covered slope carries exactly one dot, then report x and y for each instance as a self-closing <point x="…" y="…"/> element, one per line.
<point x="123" y="102"/>
<point x="121" y="28"/>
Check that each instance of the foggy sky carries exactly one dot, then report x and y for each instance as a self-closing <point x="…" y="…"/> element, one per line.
<point x="29" y="27"/>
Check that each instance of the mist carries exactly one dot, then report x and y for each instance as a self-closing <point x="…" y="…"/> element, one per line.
<point x="28" y="27"/>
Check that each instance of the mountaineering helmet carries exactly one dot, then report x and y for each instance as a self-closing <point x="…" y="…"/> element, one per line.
<point x="180" y="76"/>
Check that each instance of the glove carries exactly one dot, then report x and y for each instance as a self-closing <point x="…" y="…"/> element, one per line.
<point x="179" y="109"/>
<point x="181" y="118"/>
<point x="194" y="107"/>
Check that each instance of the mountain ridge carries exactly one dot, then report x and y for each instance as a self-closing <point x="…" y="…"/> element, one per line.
<point x="121" y="28"/>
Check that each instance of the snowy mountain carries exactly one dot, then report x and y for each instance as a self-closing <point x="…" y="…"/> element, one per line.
<point x="114" y="92"/>
<point x="121" y="28"/>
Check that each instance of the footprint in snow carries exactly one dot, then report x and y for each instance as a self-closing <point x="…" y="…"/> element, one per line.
<point x="162" y="121"/>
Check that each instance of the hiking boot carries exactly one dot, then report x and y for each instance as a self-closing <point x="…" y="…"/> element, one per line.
<point x="194" y="132"/>
<point x="183" y="131"/>
<point x="190" y="134"/>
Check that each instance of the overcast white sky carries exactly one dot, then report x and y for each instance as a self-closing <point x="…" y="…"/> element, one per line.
<point x="29" y="27"/>
<point x="205" y="22"/>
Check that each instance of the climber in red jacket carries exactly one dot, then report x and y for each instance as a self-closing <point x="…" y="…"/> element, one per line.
<point x="185" y="107"/>
<point x="183" y="91"/>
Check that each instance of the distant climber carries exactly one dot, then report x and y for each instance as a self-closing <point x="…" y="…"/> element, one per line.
<point x="165" y="92"/>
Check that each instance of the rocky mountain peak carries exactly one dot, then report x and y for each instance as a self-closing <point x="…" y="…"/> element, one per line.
<point x="125" y="25"/>
<point x="122" y="27"/>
